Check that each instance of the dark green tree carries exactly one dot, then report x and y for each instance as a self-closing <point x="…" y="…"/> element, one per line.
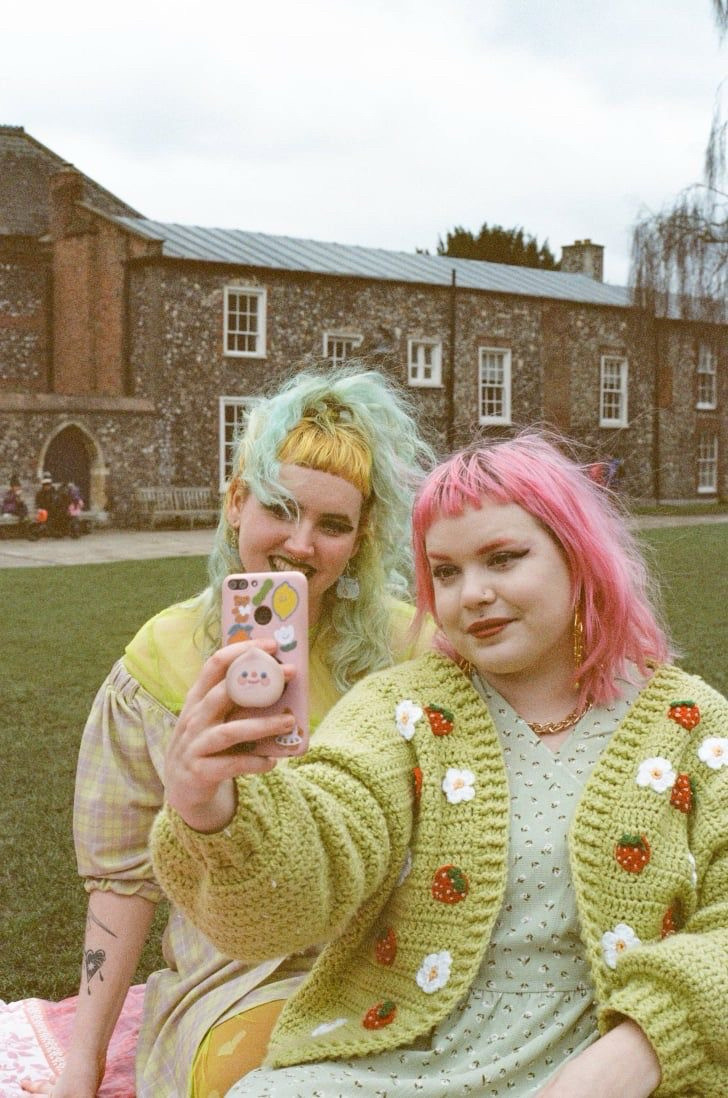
<point x="498" y="245"/>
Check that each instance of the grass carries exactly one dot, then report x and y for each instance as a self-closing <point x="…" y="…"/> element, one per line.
<point x="694" y="507"/>
<point x="62" y="630"/>
<point x="692" y="563"/>
<point x="64" y="627"/>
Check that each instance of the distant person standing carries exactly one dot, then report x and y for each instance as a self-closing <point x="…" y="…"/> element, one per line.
<point x="13" y="502"/>
<point x="607" y="472"/>
<point x="597" y="472"/>
<point x="614" y="470"/>
<point x="75" y="507"/>
<point x="46" y="494"/>
<point x="60" y="516"/>
<point x="45" y="502"/>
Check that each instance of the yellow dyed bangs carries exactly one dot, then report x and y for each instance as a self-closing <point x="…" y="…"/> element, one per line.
<point x="337" y="448"/>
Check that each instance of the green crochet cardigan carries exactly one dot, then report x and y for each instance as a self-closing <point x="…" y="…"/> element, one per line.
<point x="389" y="840"/>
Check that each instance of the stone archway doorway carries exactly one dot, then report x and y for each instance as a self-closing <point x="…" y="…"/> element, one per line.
<point x="73" y="455"/>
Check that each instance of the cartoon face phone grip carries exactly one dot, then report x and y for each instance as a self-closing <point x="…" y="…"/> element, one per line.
<point x="255" y="679"/>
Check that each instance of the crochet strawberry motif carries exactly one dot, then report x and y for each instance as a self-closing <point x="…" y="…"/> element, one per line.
<point x="417" y="780"/>
<point x="450" y="885"/>
<point x="672" y="920"/>
<point x="632" y="853"/>
<point x="381" y="1014"/>
<point x="685" y="713"/>
<point x="668" y="924"/>
<point x="385" y="949"/>
<point x="442" y="721"/>
<point x="682" y="793"/>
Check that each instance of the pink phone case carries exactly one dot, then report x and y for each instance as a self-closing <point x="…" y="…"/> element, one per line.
<point x="270" y="604"/>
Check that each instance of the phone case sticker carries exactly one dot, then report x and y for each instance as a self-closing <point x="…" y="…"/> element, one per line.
<point x="285" y="600"/>
<point x="265" y="588"/>
<point x="242" y="625"/>
<point x="286" y="638"/>
<point x="290" y="739"/>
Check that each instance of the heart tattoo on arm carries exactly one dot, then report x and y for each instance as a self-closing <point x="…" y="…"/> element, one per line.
<point x="94" y="959"/>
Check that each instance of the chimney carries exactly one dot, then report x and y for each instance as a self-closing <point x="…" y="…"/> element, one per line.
<point x="66" y="189"/>
<point x="583" y="257"/>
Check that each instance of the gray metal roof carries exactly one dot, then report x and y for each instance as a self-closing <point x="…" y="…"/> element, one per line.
<point x="287" y="253"/>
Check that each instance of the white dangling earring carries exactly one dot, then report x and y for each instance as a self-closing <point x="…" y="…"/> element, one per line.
<point x="347" y="587"/>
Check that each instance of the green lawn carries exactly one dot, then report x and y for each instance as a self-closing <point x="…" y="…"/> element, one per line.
<point x="692" y="562"/>
<point x="62" y="630"/>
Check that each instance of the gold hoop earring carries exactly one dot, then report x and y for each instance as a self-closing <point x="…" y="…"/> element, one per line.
<point x="578" y="638"/>
<point x="231" y="535"/>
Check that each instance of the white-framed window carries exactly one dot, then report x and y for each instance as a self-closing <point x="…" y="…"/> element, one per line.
<point x="613" y="391"/>
<point x="707" y="378"/>
<point x="338" y="346"/>
<point x="424" y="362"/>
<point x="708" y="463"/>
<point x="231" y="418"/>
<point x="494" y="385"/>
<point x="245" y="321"/>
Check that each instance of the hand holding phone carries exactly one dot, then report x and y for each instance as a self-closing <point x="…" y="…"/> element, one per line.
<point x="272" y="605"/>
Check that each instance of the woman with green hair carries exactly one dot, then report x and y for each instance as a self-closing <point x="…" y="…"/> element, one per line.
<point x="323" y="479"/>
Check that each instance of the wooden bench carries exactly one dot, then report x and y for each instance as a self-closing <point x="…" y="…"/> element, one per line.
<point x="11" y="525"/>
<point x="167" y="504"/>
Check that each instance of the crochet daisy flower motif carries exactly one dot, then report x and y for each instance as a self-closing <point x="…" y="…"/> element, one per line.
<point x="326" y="1027"/>
<point x="434" y="972"/>
<point x="618" y="941"/>
<point x="714" y="752"/>
<point x="406" y="715"/>
<point x="656" y="773"/>
<point x="458" y="785"/>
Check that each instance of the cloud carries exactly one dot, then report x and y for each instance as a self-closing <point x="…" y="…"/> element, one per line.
<point x="374" y="123"/>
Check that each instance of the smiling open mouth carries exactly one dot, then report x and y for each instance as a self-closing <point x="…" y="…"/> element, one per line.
<point x="284" y="564"/>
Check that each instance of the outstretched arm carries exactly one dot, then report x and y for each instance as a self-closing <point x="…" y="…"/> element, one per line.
<point x="116" y="929"/>
<point x="306" y="845"/>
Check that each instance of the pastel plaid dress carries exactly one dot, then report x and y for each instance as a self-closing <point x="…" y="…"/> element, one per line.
<point x="118" y="794"/>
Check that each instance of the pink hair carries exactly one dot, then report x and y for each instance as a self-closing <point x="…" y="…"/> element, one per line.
<point x="612" y="587"/>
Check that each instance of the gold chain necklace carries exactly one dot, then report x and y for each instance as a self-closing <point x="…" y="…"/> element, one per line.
<point x="552" y="728"/>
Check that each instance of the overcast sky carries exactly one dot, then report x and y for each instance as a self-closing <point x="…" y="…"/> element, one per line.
<point x="382" y="124"/>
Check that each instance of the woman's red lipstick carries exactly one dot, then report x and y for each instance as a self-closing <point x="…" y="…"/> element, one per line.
<point x="487" y="627"/>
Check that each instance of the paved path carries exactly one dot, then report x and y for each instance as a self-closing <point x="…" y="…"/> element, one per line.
<point x="101" y="546"/>
<point x="106" y="545"/>
<point x="650" y="522"/>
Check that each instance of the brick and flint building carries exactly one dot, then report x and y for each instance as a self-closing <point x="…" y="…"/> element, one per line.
<point x="129" y="347"/>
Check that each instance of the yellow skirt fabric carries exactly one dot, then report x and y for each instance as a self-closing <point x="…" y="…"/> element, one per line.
<point x="232" y="1049"/>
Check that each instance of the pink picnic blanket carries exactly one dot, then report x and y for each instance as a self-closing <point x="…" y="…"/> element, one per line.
<point x="35" y="1032"/>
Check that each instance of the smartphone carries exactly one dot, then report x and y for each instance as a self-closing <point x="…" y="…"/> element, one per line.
<point x="270" y="604"/>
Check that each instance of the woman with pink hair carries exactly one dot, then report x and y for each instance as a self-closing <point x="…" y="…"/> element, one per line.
<point x="515" y="844"/>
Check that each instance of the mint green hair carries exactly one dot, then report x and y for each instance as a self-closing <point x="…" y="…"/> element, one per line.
<point x="356" y="632"/>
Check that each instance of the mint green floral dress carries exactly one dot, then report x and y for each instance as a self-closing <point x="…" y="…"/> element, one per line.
<point x="531" y="1006"/>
